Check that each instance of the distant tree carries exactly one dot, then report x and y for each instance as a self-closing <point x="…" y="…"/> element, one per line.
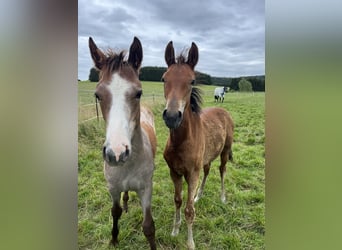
<point x="154" y="73"/>
<point x="151" y="73"/>
<point x="245" y="85"/>
<point x="221" y="81"/>
<point x="258" y="83"/>
<point x="235" y="84"/>
<point x="202" y="78"/>
<point x="94" y="75"/>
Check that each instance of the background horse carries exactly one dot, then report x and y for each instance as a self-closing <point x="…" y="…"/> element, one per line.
<point x="196" y="137"/>
<point x="130" y="144"/>
<point x="219" y="93"/>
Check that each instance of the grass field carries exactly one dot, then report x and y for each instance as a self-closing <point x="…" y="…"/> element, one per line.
<point x="238" y="224"/>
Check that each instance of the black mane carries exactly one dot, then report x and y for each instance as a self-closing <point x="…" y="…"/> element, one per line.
<point x="115" y="60"/>
<point x="196" y="100"/>
<point x="181" y="59"/>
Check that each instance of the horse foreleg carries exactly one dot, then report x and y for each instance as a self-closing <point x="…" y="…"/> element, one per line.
<point x="206" y="169"/>
<point x="116" y="213"/>
<point x="177" y="182"/>
<point x="148" y="223"/>
<point x="192" y="180"/>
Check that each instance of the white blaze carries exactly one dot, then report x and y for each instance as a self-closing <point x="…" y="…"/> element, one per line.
<point x="180" y="105"/>
<point x="119" y="130"/>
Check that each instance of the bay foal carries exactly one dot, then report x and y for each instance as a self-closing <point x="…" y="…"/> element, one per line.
<point x="197" y="136"/>
<point x="130" y="144"/>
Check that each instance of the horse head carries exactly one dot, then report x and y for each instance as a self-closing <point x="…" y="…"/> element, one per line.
<point x="118" y="91"/>
<point x="178" y="84"/>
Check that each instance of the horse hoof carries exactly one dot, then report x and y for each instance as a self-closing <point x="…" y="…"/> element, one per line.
<point x="114" y="242"/>
<point x="223" y="199"/>
<point x="175" y="232"/>
<point x="191" y="245"/>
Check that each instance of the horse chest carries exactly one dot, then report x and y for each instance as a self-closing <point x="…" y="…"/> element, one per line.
<point x="183" y="158"/>
<point x="127" y="178"/>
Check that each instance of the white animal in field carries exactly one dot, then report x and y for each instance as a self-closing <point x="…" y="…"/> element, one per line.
<point x="219" y="93"/>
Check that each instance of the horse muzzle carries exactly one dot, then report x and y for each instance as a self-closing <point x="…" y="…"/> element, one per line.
<point x="172" y="119"/>
<point x="117" y="158"/>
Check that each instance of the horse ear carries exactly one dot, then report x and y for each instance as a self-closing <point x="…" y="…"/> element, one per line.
<point x="135" y="54"/>
<point x="97" y="55"/>
<point x="193" y="56"/>
<point x="170" y="54"/>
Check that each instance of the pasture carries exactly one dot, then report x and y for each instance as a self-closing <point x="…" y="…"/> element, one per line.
<point x="238" y="224"/>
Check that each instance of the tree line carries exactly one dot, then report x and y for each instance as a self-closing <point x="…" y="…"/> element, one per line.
<point x="257" y="82"/>
<point x="156" y="73"/>
<point x="149" y="73"/>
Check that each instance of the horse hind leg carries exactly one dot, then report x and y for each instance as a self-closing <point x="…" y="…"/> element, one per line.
<point x="125" y="201"/>
<point x="206" y="169"/>
<point x="224" y="158"/>
<point x="230" y="154"/>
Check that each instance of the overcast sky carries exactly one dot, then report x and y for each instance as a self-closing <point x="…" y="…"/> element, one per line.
<point x="230" y="34"/>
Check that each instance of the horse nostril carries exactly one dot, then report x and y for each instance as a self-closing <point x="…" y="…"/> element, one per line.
<point x="179" y="114"/>
<point x="104" y="152"/>
<point x="124" y="155"/>
<point x="164" y="114"/>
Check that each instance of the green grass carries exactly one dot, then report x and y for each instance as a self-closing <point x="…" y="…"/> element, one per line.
<point x="239" y="224"/>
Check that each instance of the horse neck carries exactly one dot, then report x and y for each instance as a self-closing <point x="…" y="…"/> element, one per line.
<point x="188" y="128"/>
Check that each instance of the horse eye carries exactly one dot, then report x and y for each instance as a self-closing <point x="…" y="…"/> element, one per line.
<point x="193" y="82"/>
<point x="139" y="93"/>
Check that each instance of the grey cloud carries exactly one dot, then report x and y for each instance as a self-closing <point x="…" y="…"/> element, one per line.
<point x="230" y="35"/>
